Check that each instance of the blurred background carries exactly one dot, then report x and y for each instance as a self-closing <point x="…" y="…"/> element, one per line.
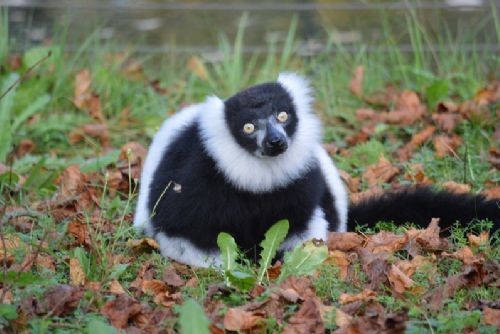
<point x="197" y="27"/>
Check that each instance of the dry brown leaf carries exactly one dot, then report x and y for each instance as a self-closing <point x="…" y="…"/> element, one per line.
<point x="8" y="249"/>
<point x="408" y="109"/>
<point x="409" y="267"/>
<point x="80" y="231"/>
<point x="364" y="296"/>
<point x="340" y="260"/>
<point x="82" y="88"/>
<point x="274" y="271"/>
<point x="385" y="241"/>
<point x="375" y="266"/>
<point x="290" y="295"/>
<point x="429" y="238"/>
<point x="464" y="254"/>
<point x="342" y="319"/>
<point x="120" y="310"/>
<point x="344" y="241"/>
<point x="171" y="277"/>
<point x="97" y="131"/>
<point x="144" y="244"/>
<point x="351" y="182"/>
<point x="134" y="153"/>
<point x="491" y="317"/>
<point x="492" y="193"/>
<point x="133" y="71"/>
<point x="400" y="282"/>
<point x="303" y="285"/>
<point x="445" y="145"/>
<point x="478" y="241"/>
<point x="381" y="172"/>
<point x="72" y="181"/>
<point x="405" y="152"/>
<point x="26" y="146"/>
<point x="457" y="188"/>
<point x="237" y="319"/>
<point x="448" y="121"/>
<point x="116" y="288"/>
<point x="356" y="84"/>
<point x="60" y="300"/>
<point x="367" y="114"/>
<point x="76" y="273"/>
<point x="307" y="319"/>
<point x="196" y="66"/>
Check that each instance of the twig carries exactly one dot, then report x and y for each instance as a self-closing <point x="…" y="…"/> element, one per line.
<point x="25" y="74"/>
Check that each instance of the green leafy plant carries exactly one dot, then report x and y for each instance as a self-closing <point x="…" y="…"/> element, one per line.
<point x="273" y="239"/>
<point x="192" y="318"/>
<point x="303" y="260"/>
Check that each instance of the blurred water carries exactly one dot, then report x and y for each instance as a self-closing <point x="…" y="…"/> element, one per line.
<point x="156" y="26"/>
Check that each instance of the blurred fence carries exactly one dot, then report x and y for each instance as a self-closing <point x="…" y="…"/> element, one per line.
<point x="196" y="27"/>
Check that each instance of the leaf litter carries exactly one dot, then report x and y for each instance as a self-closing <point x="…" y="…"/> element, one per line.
<point x="380" y="265"/>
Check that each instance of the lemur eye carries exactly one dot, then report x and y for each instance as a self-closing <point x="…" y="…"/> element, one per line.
<point x="248" y="128"/>
<point x="283" y="116"/>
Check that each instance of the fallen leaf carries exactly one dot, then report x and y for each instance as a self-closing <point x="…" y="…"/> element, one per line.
<point x="492" y="193"/>
<point x="307" y="319"/>
<point x="302" y="284"/>
<point x="386" y="242"/>
<point x="61" y="299"/>
<point x="364" y="295"/>
<point x="356" y="84"/>
<point x="144" y="244"/>
<point x="121" y="310"/>
<point x="429" y="238"/>
<point x="479" y="241"/>
<point x="344" y="241"/>
<point x="405" y="152"/>
<point x="134" y="153"/>
<point x="457" y="188"/>
<point x="464" y="254"/>
<point x="491" y="316"/>
<point x="82" y="88"/>
<point x="26" y="146"/>
<point x="80" y="231"/>
<point x="196" y="66"/>
<point x="351" y="182"/>
<point x="97" y="131"/>
<point x="340" y="260"/>
<point x="76" y="273"/>
<point x="237" y="319"/>
<point x="375" y="266"/>
<point x="381" y="172"/>
<point x="400" y="282"/>
<point x="171" y="277"/>
<point x="116" y="288"/>
<point x="494" y="157"/>
<point x="8" y="249"/>
<point x="342" y="319"/>
<point x="445" y="145"/>
<point x="407" y="111"/>
<point x="447" y="121"/>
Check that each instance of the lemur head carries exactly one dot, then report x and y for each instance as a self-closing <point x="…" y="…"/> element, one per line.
<point x="262" y="119"/>
<point x="264" y="137"/>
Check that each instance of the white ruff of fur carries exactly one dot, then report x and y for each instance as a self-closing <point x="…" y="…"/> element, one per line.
<point x="255" y="174"/>
<point x="163" y="138"/>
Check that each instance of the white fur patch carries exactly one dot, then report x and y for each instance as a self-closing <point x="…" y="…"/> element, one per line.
<point x="317" y="228"/>
<point x="184" y="251"/>
<point x="337" y="189"/>
<point x="263" y="174"/>
<point x="162" y="139"/>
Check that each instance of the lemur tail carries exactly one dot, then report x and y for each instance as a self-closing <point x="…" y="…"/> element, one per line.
<point x="419" y="205"/>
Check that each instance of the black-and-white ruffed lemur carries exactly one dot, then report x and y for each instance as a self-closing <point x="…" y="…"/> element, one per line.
<point x="242" y="164"/>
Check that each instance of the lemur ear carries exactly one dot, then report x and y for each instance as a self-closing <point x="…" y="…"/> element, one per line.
<point x="299" y="89"/>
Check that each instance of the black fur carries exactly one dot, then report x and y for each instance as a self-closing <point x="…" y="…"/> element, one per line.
<point x="419" y="205"/>
<point x="207" y="204"/>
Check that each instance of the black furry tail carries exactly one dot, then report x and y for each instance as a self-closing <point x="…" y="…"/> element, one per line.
<point x="419" y="205"/>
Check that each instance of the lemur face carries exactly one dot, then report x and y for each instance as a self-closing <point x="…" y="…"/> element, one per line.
<point x="262" y="119"/>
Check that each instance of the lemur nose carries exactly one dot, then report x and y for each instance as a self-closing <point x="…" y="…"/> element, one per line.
<point x="276" y="142"/>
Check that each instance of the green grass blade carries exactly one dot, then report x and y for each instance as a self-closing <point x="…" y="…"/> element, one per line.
<point x="6" y="105"/>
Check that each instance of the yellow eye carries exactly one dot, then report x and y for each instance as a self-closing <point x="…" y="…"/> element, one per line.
<point x="248" y="128"/>
<point x="282" y="117"/>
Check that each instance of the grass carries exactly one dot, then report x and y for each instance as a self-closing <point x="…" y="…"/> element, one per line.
<point x="42" y="110"/>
